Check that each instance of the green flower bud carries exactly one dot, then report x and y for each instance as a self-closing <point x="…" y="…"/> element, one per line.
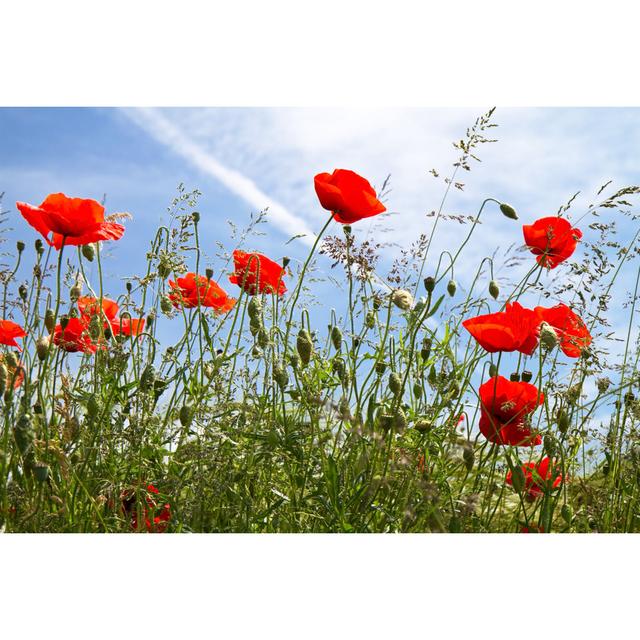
<point x="508" y="211"/>
<point x="452" y="287"/>
<point x="567" y="513"/>
<point x="263" y="338"/>
<point x="494" y="289"/>
<point x="549" y="445"/>
<point x="517" y="479"/>
<point x="88" y="252"/>
<point x="39" y="247"/>
<point x="425" y="352"/>
<point x="254" y="308"/>
<point x="280" y="375"/>
<point x="195" y="216"/>
<point x="423" y="425"/>
<point x="469" y="457"/>
<point x="563" y="422"/>
<point x="429" y="284"/>
<point x="548" y="336"/>
<point x="370" y="320"/>
<point x="24" y="434"/>
<point x="336" y="338"/>
<point x="20" y="246"/>
<point x="40" y="471"/>
<point x="75" y="292"/>
<point x="148" y="378"/>
<point x="166" y="306"/>
<point x="493" y="370"/>
<point x="93" y="406"/>
<point x="400" y="421"/>
<point x="4" y="373"/>
<point x="186" y="415"/>
<point x="22" y="292"/>
<point x="603" y="384"/>
<point x="208" y="273"/>
<point x="381" y="367"/>
<point x="49" y="320"/>
<point x="338" y="367"/>
<point x="417" y="390"/>
<point x="402" y="299"/>
<point x="304" y="345"/>
<point x="395" y="383"/>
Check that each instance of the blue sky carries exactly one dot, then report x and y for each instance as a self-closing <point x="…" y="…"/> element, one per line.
<point x="244" y="159"/>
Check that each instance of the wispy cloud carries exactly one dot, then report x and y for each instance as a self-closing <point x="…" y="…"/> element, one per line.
<point x="167" y="133"/>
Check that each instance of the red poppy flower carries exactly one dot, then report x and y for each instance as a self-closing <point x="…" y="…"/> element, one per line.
<point x="9" y="331"/>
<point x="511" y="330"/>
<point x="127" y="326"/>
<point x="534" y="529"/>
<point x="504" y="407"/>
<point x="349" y="196"/>
<point x="573" y="335"/>
<point x="192" y="287"/>
<point x="13" y="373"/>
<point x="252" y="267"/>
<point x="75" y="336"/>
<point x="537" y="477"/>
<point x="552" y="239"/>
<point x="155" y="521"/>
<point x="75" y="220"/>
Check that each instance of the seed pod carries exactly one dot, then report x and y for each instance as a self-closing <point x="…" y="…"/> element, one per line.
<point x="254" y="308"/>
<point x="417" y="390"/>
<point x="20" y="246"/>
<point x="280" y="375"/>
<point x="469" y="457"/>
<point x="24" y="434"/>
<point x="527" y="376"/>
<point x="381" y="367"/>
<point x="515" y="377"/>
<point x="148" y="378"/>
<point x="263" y="338"/>
<point x="508" y="211"/>
<point x="517" y="479"/>
<point x="395" y="383"/>
<point x="567" y="513"/>
<point x="336" y="338"/>
<point x="563" y="422"/>
<point x="39" y="246"/>
<point x="88" y="252"/>
<point x="425" y="352"/>
<point x="429" y="284"/>
<point x="22" y="292"/>
<point x="304" y="345"/>
<point x="423" y="425"/>
<point x="49" y="320"/>
<point x="494" y="289"/>
<point x="452" y="287"/>
<point x="400" y="421"/>
<point x="166" y="306"/>
<point x="186" y="415"/>
<point x="370" y="320"/>
<point x="402" y="299"/>
<point x="195" y="216"/>
<point x="40" y="471"/>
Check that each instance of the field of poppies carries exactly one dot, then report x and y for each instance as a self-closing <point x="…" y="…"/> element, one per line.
<point x="499" y="403"/>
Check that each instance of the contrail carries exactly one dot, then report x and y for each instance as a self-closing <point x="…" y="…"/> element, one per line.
<point x="165" y="132"/>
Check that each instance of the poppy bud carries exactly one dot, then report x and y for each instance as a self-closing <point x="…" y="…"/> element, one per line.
<point x="514" y="377"/>
<point x="395" y="383"/>
<point x="377" y="303"/>
<point x="49" y="320"/>
<point x="603" y="384"/>
<point x="563" y="422"/>
<point x="196" y="217"/>
<point x="285" y="262"/>
<point x="93" y="406"/>
<point x="347" y="229"/>
<point x="417" y="390"/>
<point x="129" y="286"/>
<point x="469" y="457"/>
<point x="165" y="305"/>
<point x="385" y="421"/>
<point x="508" y="211"/>
<point x="12" y="359"/>
<point x="148" y="378"/>
<point x="425" y="352"/>
<point x="75" y="292"/>
<point x="549" y="445"/>
<point x="94" y="327"/>
<point x="3" y="377"/>
<point x="548" y="336"/>
<point x="39" y="246"/>
<point x="423" y="425"/>
<point x="493" y="370"/>
<point x="494" y="289"/>
<point x="88" y="252"/>
<point x="186" y="415"/>
<point x="42" y="347"/>
<point x="381" y="367"/>
<point x="40" y="471"/>
<point x="454" y="389"/>
<point x="338" y="367"/>
<point x="527" y="376"/>
<point x="24" y="434"/>
<point x="370" y="320"/>
<point x="151" y="319"/>
<point x="402" y="299"/>
<point x="20" y="246"/>
<point x="304" y="346"/>
<point x="22" y="292"/>
<point x="517" y="479"/>
<point x="567" y="513"/>
<point x="336" y="338"/>
<point x="255" y="324"/>
<point x="263" y="338"/>
<point x="256" y="352"/>
<point x="208" y="272"/>
<point x="280" y="375"/>
<point x="294" y="360"/>
<point x="254" y="308"/>
<point x="429" y="284"/>
<point x="400" y="421"/>
<point x="452" y="288"/>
